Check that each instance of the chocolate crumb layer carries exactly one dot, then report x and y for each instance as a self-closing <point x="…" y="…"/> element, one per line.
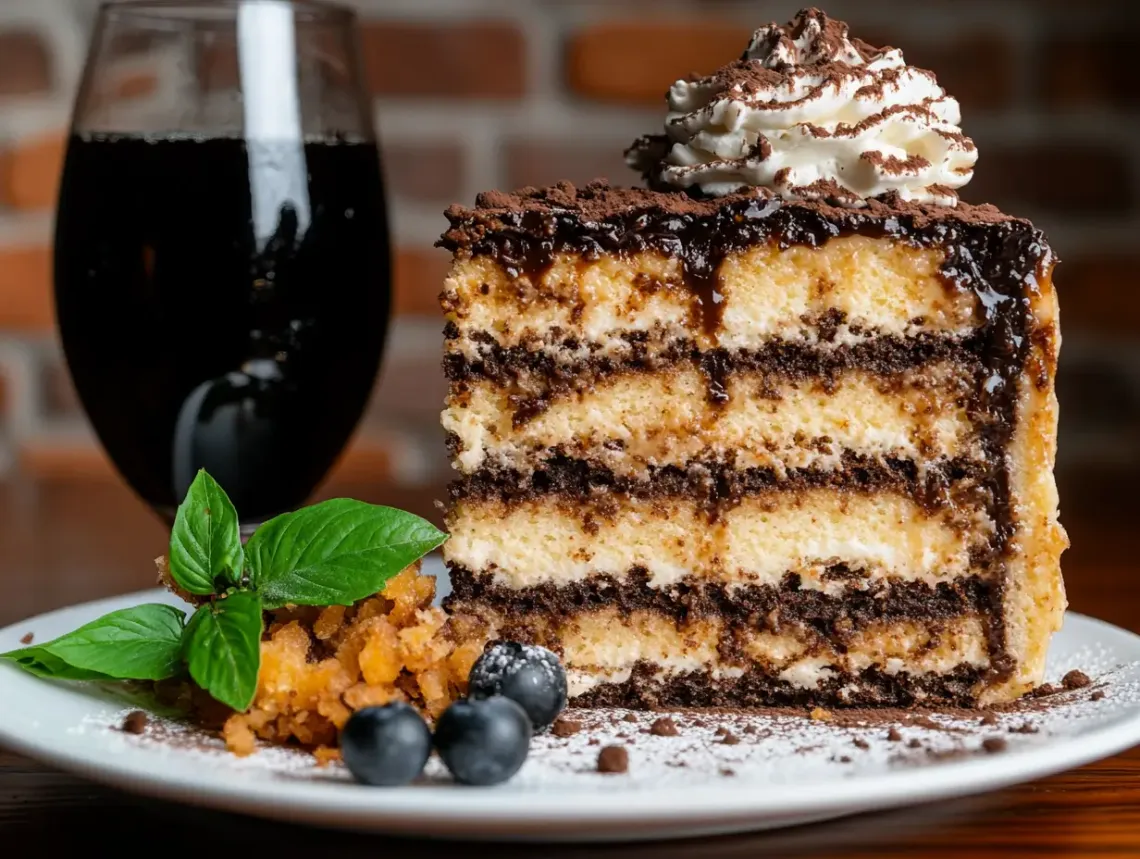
<point x="747" y="605"/>
<point x="644" y="690"/>
<point x="883" y="355"/>
<point x="959" y="481"/>
<point x="27" y="638"/>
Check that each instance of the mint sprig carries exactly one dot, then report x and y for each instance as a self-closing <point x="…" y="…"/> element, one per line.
<point x="223" y="648"/>
<point x="333" y="553"/>
<point x="205" y="542"/>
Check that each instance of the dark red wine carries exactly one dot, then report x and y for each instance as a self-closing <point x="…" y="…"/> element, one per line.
<point x="223" y="305"/>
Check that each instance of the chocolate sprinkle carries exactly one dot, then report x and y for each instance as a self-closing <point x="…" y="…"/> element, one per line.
<point x="613" y="759"/>
<point x="135" y="722"/>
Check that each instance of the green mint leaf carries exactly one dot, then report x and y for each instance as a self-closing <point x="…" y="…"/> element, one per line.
<point x="222" y="648"/>
<point x="205" y="542"/>
<point x="139" y="643"/>
<point x="40" y="663"/>
<point x="335" y="553"/>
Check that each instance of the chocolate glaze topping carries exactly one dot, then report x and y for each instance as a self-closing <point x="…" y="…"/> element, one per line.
<point x="998" y="258"/>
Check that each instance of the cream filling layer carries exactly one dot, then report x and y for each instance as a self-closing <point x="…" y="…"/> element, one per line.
<point x="759" y="540"/>
<point x="604" y="647"/>
<point x="880" y="286"/>
<point x="634" y="420"/>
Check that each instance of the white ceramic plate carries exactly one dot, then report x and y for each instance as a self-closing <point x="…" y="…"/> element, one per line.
<point x="785" y="770"/>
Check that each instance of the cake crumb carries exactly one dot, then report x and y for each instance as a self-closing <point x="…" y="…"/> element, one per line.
<point x="894" y="736"/>
<point x="721" y="730"/>
<point x="629" y="717"/>
<point x="27" y="638"/>
<point x="730" y="739"/>
<point x="565" y="727"/>
<point x="664" y="727"/>
<point x="1097" y="695"/>
<point x="860" y="743"/>
<point x="727" y="771"/>
<point x="842" y="759"/>
<point x="914" y="744"/>
<point x="593" y="741"/>
<point x="988" y="720"/>
<point x="750" y="729"/>
<point x="135" y="722"/>
<point x="1023" y="728"/>
<point x="818" y="714"/>
<point x="613" y="759"/>
<point x="1075" y="679"/>
<point x="992" y="745"/>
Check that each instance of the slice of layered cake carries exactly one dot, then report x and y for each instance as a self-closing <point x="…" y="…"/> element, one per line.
<point x="778" y="429"/>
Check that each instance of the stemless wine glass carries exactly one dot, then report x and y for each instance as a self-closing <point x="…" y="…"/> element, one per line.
<point x="221" y="258"/>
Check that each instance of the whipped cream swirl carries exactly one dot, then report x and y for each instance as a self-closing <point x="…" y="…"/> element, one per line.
<point x="808" y="113"/>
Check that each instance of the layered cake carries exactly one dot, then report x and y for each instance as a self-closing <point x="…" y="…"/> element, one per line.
<point x="778" y="428"/>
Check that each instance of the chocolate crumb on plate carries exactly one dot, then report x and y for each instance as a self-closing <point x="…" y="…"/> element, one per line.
<point x="1075" y="680"/>
<point x="992" y="745"/>
<point x="988" y="720"/>
<point x="727" y="771"/>
<point x="593" y="741"/>
<point x="27" y="638"/>
<point x="750" y="729"/>
<point x="860" y="743"/>
<point x="730" y="739"/>
<point x="565" y="727"/>
<point x="629" y="717"/>
<point x="613" y="759"/>
<point x="1023" y="728"/>
<point x="914" y="744"/>
<point x="664" y="727"/>
<point x="894" y="736"/>
<point x="135" y="722"/>
<point x="1097" y="695"/>
<point x="721" y="730"/>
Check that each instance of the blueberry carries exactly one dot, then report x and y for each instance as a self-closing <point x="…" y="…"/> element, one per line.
<point x="530" y="676"/>
<point x="385" y="746"/>
<point x="483" y="742"/>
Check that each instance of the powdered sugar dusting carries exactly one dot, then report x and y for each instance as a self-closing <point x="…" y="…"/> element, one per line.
<point x="762" y="748"/>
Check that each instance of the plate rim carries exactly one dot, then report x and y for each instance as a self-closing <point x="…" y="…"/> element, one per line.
<point x="482" y="812"/>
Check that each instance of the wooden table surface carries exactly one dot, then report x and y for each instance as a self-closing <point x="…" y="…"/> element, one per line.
<point x="67" y="542"/>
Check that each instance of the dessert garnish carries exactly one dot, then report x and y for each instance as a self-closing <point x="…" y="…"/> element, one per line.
<point x="330" y="554"/>
<point x="483" y="741"/>
<point x="529" y="675"/>
<point x="386" y="746"/>
<point x="809" y="112"/>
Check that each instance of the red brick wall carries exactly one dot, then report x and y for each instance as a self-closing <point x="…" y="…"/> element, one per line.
<point x="473" y="94"/>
